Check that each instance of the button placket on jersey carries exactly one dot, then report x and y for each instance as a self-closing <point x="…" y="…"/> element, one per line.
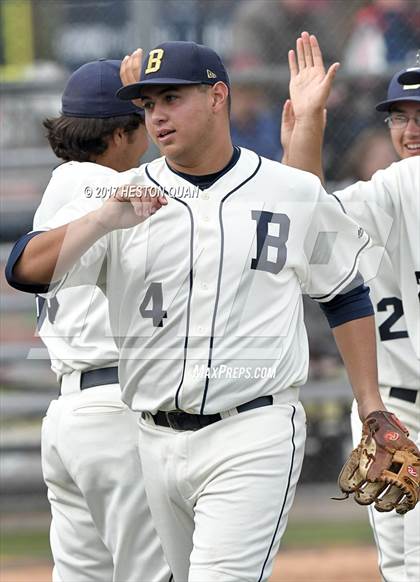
<point x="207" y="247"/>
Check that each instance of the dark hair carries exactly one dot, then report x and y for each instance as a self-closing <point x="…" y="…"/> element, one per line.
<point x="82" y="139"/>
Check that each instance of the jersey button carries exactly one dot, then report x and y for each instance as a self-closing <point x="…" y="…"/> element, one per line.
<point x="205" y="196"/>
<point x="206" y="218"/>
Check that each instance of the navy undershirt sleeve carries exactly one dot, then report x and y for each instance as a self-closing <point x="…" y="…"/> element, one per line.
<point x="345" y="307"/>
<point x="14" y="256"/>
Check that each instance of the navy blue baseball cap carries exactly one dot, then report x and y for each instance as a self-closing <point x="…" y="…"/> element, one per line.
<point x="178" y="63"/>
<point x="404" y="86"/>
<point x="90" y="92"/>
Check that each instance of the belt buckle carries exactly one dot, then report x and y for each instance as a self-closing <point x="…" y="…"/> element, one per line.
<point x="171" y="417"/>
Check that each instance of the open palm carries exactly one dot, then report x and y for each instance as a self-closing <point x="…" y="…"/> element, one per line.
<point x="310" y="85"/>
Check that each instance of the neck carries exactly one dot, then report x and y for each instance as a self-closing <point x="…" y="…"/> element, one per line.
<point x="213" y="160"/>
<point x="109" y="160"/>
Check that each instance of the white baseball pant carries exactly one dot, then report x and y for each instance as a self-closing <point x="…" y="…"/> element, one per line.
<point x="220" y="496"/>
<point x="101" y="528"/>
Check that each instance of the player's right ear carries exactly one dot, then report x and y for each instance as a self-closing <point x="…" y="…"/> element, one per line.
<point x="220" y="95"/>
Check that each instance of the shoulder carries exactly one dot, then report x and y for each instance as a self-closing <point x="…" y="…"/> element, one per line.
<point x="68" y="182"/>
<point x="408" y="169"/>
<point x="400" y="179"/>
<point x="388" y="188"/>
<point x="403" y="170"/>
<point x="66" y="178"/>
<point x="285" y="178"/>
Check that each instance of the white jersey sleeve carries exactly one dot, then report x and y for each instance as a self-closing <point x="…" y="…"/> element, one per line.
<point x="331" y="249"/>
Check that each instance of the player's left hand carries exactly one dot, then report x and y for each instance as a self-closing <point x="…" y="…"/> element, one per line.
<point x="130" y="70"/>
<point x="309" y="85"/>
<point x="384" y="469"/>
<point x="287" y="125"/>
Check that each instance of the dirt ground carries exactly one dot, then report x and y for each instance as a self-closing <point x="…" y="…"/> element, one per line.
<point x="342" y="564"/>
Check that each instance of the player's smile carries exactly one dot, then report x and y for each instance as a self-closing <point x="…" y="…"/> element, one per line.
<point x="413" y="147"/>
<point x="406" y="140"/>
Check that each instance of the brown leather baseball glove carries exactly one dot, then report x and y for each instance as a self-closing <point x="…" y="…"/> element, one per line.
<point x="384" y="469"/>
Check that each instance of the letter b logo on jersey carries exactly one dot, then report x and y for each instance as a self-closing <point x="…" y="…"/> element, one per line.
<point x="271" y="248"/>
<point x="155" y="61"/>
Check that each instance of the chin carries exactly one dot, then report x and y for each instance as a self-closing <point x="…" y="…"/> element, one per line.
<point x="408" y="154"/>
<point x="172" y="151"/>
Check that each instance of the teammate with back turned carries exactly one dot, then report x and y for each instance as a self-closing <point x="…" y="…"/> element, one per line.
<point x="101" y="529"/>
<point x="207" y="284"/>
<point x="388" y="207"/>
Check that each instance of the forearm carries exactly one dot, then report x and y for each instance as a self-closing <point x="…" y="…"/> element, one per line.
<point x="305" y="148"/>
<point x="357" y="345"/>
<point x="51" y="254"/>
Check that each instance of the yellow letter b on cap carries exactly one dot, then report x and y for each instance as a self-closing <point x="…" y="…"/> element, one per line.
<point x="154" y="62"/>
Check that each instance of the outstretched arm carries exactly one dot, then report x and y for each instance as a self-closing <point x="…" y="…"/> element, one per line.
<point x="51" y="254"/>
<point x="309" y="89"/>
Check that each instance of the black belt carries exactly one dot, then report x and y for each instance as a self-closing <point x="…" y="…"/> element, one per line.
<point x="180" y="420"/>
<point x="99" y="377"/>
<point x="404" y="394"/>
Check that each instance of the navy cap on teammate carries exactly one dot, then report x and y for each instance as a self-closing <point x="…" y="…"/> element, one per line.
<point x="404" y="86"/>
<point x="178" y="63"/>
<point x="91" y="89"/>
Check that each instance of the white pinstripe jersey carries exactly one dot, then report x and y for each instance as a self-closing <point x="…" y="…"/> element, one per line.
<point x="388" y="207"/>
<point x="74" y="342"/>
<point x="215" y="280"/>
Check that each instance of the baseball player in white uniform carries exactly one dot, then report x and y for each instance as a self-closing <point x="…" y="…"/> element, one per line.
<point x="207" y="254"/>
<point x="388" y="207"/>
<point x="101" y="526"/>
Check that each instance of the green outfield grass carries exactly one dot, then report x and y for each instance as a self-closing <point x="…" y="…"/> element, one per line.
<point x="298" y="535"/>
<point x="309" y="534"/>
<point x="25" y="543"/>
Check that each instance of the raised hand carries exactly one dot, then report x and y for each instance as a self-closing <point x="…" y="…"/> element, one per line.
<point x="309" y="85"/>
<point x="130" y="70"/>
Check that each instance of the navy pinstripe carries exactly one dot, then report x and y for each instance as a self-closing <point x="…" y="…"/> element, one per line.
<point x="285" y="497"/>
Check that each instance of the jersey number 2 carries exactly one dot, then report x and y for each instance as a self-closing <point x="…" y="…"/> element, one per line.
<point x="385" y="332"/>
<point x="154" y="296"/>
